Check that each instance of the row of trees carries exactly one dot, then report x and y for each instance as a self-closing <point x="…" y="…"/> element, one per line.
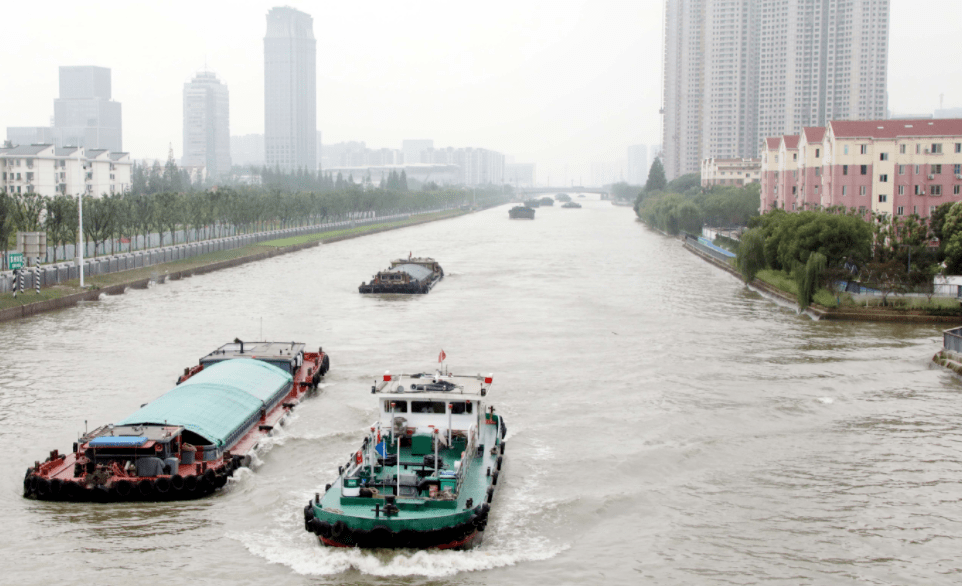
<point x="112" y="220"/>
<point x="153" y="179"/>
<point x="683" y="205"/>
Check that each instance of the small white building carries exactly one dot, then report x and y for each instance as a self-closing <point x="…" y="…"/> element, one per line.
<point x="49" y="170"/>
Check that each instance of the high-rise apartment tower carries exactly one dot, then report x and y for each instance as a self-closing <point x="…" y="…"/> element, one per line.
<point x="207" y="125"/>
<point x="737" y="71"/>
<point x="84" y="115"/>
<point x="290" y="90"/>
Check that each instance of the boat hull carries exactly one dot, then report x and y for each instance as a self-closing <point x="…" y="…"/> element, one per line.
<point x="67" y="477"/>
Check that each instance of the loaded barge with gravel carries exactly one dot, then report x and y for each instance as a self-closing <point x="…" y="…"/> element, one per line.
<point x="426" y="473"/>
<point x="186" y="443"/>
<point x="411" y="275"/>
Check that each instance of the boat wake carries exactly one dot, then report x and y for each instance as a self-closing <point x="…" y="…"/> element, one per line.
<point x="304" y="556"/>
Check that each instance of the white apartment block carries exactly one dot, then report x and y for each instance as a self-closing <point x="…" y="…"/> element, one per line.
<point x="737" y="71"/>
<point x="50" y="171"/>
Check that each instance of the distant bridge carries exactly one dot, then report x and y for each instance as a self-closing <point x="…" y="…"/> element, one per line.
<point x="537" y="190"/>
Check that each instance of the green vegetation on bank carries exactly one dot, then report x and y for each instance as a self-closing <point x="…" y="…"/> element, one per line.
<point x="683" y="205"/>
<point x="161" y="203"/>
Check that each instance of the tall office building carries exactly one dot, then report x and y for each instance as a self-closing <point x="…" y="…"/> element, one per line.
<point x="290" y="90"/>
<point x="737" y="71"/>
<point x="207" y="125"/>
<point x="84" y="114"/>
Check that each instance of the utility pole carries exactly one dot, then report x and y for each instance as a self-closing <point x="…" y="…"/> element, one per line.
<point x="80" y="218"/>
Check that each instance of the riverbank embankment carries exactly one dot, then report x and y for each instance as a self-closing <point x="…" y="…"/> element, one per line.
<point x="819" y="312"/>
<point x="69" y="293"/>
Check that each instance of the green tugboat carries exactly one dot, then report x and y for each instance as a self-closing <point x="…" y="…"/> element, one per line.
<point x="426" y="473"/>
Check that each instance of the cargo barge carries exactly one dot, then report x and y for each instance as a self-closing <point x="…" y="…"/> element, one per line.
<point x="521" y="213"/>
<point x="408" y="276"/>
<point x="186" y="443"/>
<point x="425" y="474"/>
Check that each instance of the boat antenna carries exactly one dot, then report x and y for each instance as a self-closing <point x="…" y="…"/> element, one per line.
<point x="85" y="427"/>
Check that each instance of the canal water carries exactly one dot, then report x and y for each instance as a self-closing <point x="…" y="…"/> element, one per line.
<point x="666" y="426"/>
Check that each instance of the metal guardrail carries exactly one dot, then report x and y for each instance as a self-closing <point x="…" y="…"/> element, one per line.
<point x="710" y="249"/>
<point x="952" y="340"/>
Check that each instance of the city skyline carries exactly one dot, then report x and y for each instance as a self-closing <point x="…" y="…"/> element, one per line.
<point x="561" y="87"/>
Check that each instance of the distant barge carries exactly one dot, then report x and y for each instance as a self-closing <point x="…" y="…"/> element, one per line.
<point x="407" y="276"/>
<point x="521" y="213"/>
<point x="186" y="443"/>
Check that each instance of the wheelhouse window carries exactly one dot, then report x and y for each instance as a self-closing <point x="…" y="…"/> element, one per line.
<point x="399" y="406"/>
<point x="427" y="407"/>
<point x="461" y="407"/>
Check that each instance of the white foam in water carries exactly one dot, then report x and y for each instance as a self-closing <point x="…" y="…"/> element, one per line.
<point x="826" y="400"/>
<point x="305" y="556"/>
<point x="511" y="539"/>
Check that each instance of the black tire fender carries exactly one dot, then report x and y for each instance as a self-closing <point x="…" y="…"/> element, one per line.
<point x="494" y="478"/>
<point x="43" y="487"/>
<point x="490" y="493"/>
<point x="500" y="458"/>
<point x="162" y="485"/>
<point x="177" y="482"/>
<point x="123" y="488"/>
<point x="338" y="529"/>
<point x="145" y="488"/>
<point x="324" y="528"/>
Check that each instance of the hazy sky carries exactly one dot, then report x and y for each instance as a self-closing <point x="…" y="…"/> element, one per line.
<point x="561" y="83"/>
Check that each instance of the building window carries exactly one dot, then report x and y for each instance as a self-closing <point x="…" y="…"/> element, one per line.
<point x="844" y="169"/>
<point x="901" y="190"/>
<point x="794" y="189"/>
<point x="915" y="210"/>
<point x="793" y="207"/>
<point x="883" y="157"/>
<point x="902" y="149"/>
<point x="861" y="209"/>
<point x="958" y="147"/>
<point x="882" y="198"/>
<point x="845" y="149"/>
<point x="861" y="190"/>
<point x="816" y="190"/>
<point x="883" y="178"/>
<point x="932" y="210"/>
<point x="900" y="211"/>
<point x="901" y="169"/>
<point x="936" y="148"/>
<point x="936" y="169"/>
<point x="844" y="190"/>
<point x="864" y="169"/>
<point x="955" y="190"/>
<point x="818" y="153"/>
<point x="864" y="148"/>
<point x="916" y="169"/>
<point x="935" y="190"/>
<point x="794" y="156"/>
<point x="818" y="171"/>
<point x="918" y="149"/>
<point x="957" y="169"/>
<point x="918" y="190"/>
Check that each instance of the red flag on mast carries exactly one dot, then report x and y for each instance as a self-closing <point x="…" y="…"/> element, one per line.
<point x="442" y="356"/>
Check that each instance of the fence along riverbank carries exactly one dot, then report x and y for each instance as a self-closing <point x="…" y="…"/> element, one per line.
<point x="137" y="280"/>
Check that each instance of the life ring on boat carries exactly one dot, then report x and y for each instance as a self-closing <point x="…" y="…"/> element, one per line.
<point x="43" y="488"/>
<point x="122" y="488"/>
<point x="159" y="447"/>
<point x="162" y="485"/>
<point x="145" y="488"/>
<point x="338" y="529"/>
<point x="177" y="482"/>
<point x="359" y="457"/>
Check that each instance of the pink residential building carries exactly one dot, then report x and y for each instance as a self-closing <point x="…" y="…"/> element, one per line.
<point x="894" y="167"/>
